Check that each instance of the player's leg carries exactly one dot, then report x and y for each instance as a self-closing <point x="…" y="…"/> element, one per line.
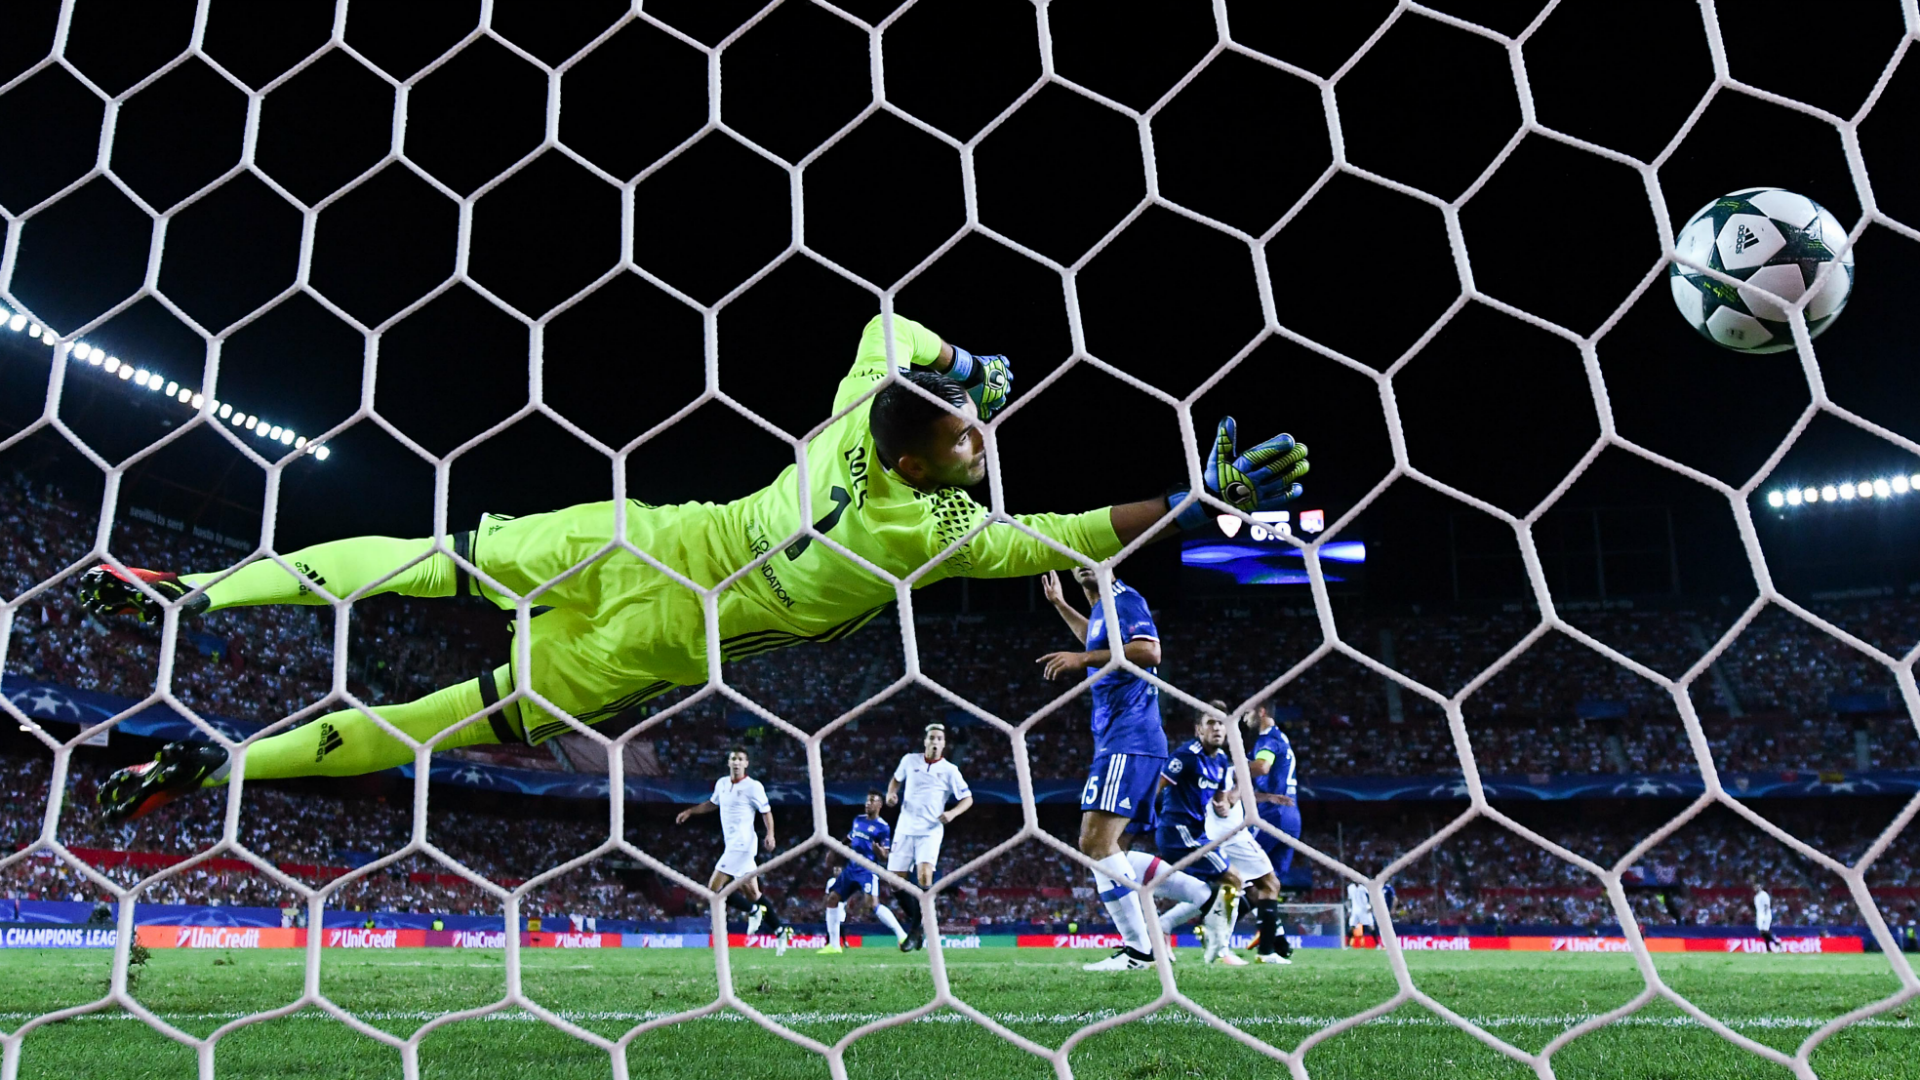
<point x="1114" y="779"/>
<point x="341" y="567"/>
<point x="1189" y="894"/>
<point x="344" y="743"/>
<point x="882" y="912"/>
<point x="900" y="861"/>
<point x="1273" y="940"/>
<point x="835" y="914"/>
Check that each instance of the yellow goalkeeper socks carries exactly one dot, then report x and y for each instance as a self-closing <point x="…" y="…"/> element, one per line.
<point x="346" y="743"/>
<point x="340" y="567"/>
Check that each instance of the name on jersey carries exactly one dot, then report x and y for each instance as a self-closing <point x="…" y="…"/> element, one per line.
<point x="758" y="542"/>
<point x="857" y="475"/>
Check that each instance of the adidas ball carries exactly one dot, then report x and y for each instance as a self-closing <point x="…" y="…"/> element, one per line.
<point x="1765" y="238"/>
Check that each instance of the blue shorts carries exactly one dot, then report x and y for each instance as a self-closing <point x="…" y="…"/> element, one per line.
<point x="1287" y="820"/>
<point x="1123" y="784"/>
<point x="854" y="879"/>
<point x="1176" y="842"/>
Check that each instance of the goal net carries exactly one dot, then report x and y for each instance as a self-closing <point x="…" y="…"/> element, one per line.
<point x="276" y="448"/>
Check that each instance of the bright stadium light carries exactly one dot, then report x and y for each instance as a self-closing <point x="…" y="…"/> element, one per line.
<point x="300" y="443"/>
<point x="252" y="421"/>
<point x="126" y="371"/>
<point x="1847" y="489"/>
<point x="273" y="432"/>
<point x="1794" y="497"/>
<point x="322" y="453"/>
<point x="17" y="323"/>
<point x="82" y="350"/>
<point x="1830" y="493"/>
<point x="1901" y="486"/>
<point x="226" y="410"/>
<point x="1775" y="499"/>
<point x="197" y="400"/>
<point x="1882" y="489"/>
<point x="173" y="388"/>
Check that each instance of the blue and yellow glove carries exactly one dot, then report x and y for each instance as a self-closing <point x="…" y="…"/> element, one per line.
<point x="1260" y="479"/>
<point x="988" y="379"/>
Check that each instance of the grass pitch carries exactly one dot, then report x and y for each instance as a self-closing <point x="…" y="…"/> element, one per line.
<point x="1525" y="998"/>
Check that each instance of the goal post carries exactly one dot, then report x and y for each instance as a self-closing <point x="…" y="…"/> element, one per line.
<point x="1315" y="920"/>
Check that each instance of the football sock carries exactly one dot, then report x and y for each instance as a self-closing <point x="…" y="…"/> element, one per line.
<point x="770" y="918"/>
<point x="1192" y="894"/>
<point x="340" y="567"/>
<point x="346" y="743"/>
<point x="1269" y="915"/>
<point x="887" y="919"/>
<point x="1122" y="903"/>
<point x="834" y="917"/>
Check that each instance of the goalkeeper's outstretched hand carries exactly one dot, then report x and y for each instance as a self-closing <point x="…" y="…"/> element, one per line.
<point x="988" y="379"/>
<point x="1263" y="478"/>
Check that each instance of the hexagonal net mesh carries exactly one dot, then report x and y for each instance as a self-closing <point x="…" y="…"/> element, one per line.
<point x="68" y="347"/>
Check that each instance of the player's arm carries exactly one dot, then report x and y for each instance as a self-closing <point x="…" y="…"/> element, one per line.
<point x="965" y="804"/>
<point x="1260" y="765"/>
<point x="707" y="807"/>
<point x="766" y="819"/>
<point x="1076" y="622"/>
<point x="1262" y="478"/>
<point x="893" y="790"/>
<point x="1144" y="652"/>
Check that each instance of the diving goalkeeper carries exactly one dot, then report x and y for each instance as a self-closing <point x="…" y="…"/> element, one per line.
<point x="887" y="481"/>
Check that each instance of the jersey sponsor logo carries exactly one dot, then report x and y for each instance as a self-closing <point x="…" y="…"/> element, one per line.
<point x="758" y="543"/>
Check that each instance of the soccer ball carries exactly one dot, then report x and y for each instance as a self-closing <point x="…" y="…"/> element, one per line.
<point x="1766" y="238"/>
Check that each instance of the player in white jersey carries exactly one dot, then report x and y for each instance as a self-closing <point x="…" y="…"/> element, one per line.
<point x="1763" y="916"/>
<point x="1225" y="818"/>
<point x="739" y="797"/>
<point x="921" y="787"/>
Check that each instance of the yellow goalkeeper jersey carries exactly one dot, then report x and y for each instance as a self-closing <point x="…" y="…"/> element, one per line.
<point x="809" y="592"/>
<point x="617" y="631"/>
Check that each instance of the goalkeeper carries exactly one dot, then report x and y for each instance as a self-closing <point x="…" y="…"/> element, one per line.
<point x="887" y="482"/>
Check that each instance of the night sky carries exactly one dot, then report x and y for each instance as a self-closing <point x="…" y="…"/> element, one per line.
<point x="1490" y="404"/>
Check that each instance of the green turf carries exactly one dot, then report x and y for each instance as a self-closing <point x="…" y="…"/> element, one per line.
<point x="1525" y="998"/>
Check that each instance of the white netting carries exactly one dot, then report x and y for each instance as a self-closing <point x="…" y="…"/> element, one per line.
<point x="20" y="219"/>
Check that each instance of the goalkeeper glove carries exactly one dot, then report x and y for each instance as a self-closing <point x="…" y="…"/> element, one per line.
<point x="1260" y="479"/>
<point x="988" y="379"/>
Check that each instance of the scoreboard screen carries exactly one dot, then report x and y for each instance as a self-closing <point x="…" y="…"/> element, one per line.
<point x="1230" y="553"/>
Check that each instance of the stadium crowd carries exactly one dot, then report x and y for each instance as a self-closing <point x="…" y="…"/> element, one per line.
<point x="1703" y="874"/>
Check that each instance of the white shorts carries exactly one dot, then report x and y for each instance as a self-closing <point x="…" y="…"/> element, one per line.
<point x="1763" y="925"/>
<point x="736" y="861"/>
<point x="1248" y="860"/>
<point x="910" y="851"/>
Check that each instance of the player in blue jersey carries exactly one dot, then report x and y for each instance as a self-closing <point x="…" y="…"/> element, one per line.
<point x="868" y="837"/>
<point x="1276" y="789"/>
<point x="1183" y="798"/>
<point x="1129" y="747"/>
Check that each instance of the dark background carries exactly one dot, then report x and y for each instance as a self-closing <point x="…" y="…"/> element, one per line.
<point x="1490" y="405"/>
